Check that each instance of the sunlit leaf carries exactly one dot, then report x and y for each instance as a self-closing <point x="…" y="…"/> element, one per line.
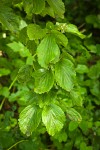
<point x="73" y="115"/>
<point x="65" y="74"/>
<point x="60" y="38"/>
<point x="58" y="7"/>
<point x="53" y="118"/>
<point x="48" y="51"/>
<point x="35" y="32"/>
<point x="29" y="119"/>
<point x="74" y="30"/>
<point x="44" y="80"/>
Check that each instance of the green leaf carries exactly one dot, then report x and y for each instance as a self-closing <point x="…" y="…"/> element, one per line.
<point x="82" y="69"/>
<point x="70" y="28"/>
<point x="30" y="60"/>
<point x="48" y="51"/>
<point x="53" y="118"/>
<point x="46" y="99"/>
<point x="20" y="48"/>
<point x="29" y="119"/>
<point x="4" y="72"/>
<point x="4" y="91"/>
<point x="58" y="7"/>
<point x="44" y="80"/>
<point x="60" y="37"/>
<point x="65" y="103"/>
<point x="74" y="30"/>
<point x="23" y="37"/>
<point x="38" y="6"/>
<point x="76" y="98"/>
<point x="61" y="136"/>
<point x="28" y="6"/>
<point x="84" y="126"/>
<point x="24" y="74"/>
<point x="94" y="71"/>
<point x="73" y="114"/>
<point x="95" y="88"/>
<point x="34" y="6"/>
<point x="50" y="25"/>
<point x="8" y="18"/>
<point x="83" y="146"/>
<point x="94" y="20"/>
<point x="35" y="32"/>
<point x="73" y="125"/>
<point x="48" y="11"/>
<point x="65" y="74"/>
<point x="92" y="48"/>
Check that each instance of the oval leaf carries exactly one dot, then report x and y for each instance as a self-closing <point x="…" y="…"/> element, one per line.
<point x="38" y="6"/>
<point x="29" y="119"/>
<point x="53" y="118"/>
<point x="76" y="98"/>
<point x="58" y="7"/>
<point x="44" y="80"/>
<point x="71" y="28"/>
<point x="73" y="115"/>
<point x="48" y="51"/>
<point x="65" y="74"/>
<point x="60" y="38"/>
<point x="73" y="125"/>
<point x="35" y="32"/>
<point x="24" y="74"/>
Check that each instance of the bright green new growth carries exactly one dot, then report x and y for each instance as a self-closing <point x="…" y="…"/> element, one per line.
<point x="53" y="118"/>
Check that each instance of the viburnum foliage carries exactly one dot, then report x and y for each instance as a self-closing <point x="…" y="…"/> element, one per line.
<point x="50" y="75"/>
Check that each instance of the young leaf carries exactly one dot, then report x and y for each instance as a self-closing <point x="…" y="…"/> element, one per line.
<point x="74" y="30"/>
<point x="29" y="119"/>
<point x="53" y="118"/>
<point x="60" y="37"/>
<point x="65" y="74"/>
<point x="73" y="114"/>
<point x="44" y="80"/>
<point x="35" y="32"/>
<point x="48" y="51"/>
<point x="71" y="28"/>
<point x="58" y="7"/>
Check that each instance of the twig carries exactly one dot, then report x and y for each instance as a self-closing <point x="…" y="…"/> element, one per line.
<point x="16" y="144"/>
<point x="1" y="105"/>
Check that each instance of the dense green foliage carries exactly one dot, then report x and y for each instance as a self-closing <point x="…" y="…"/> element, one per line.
<point x="49" y="75"/>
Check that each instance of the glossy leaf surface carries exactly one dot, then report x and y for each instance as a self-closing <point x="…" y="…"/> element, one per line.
<point x="65" y="74"/>
<point x="29" y="119"/>
<point x="48" y="51"/>
<point x="53" y="118"/>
